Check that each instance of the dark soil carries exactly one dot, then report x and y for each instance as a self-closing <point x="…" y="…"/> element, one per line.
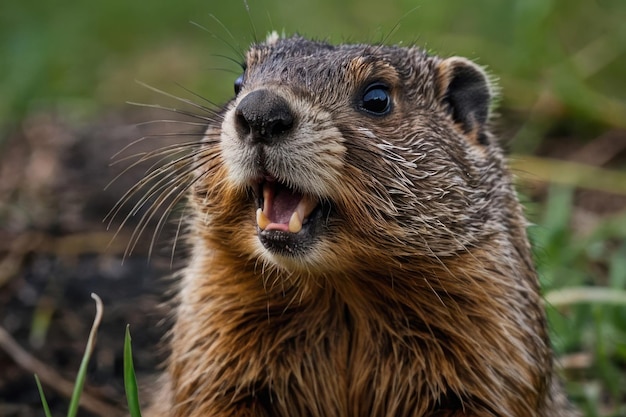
<point x="55" y="251"/>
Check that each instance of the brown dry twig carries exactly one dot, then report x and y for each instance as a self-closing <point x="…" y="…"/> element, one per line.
<point x="533" y="168"/>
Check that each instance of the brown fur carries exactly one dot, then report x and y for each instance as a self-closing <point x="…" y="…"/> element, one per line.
<point x="419" y="298"/>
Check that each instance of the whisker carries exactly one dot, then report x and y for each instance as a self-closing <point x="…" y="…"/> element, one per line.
<point x="236" y="50"/>
<point x="181" y="145"/>
<point x="152" y="176"/>
<point x="228" y="58"/>
<point x="122" y="202"/>
<point x="269" y="17"/>
<point x="197" y="95"/>
<point x="159" y="189"/>
<point x="167" y="211"/>
<point x="167" y="174"/>
<point x="254" y="32"/>
<point x="177" y="235"/>
<point x="150" y="122"/>
<point x="164" y="168"/>
<point x="143" y="138"/>
<point x="395" y="27"/>
<point x="215" y="119"/>
<point x="223" y="26"/>
<point x="145" y="220"/>
<point x="180" y="99"/>
<point x="167" y="161"/>
<point x="146" y="156"/>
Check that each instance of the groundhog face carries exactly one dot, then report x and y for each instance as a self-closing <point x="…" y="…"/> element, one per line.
<point x="328" y="153"/>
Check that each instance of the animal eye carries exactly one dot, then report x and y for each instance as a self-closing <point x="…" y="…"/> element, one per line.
<point x="376" y="99"/>
<point x="238" y="84"/>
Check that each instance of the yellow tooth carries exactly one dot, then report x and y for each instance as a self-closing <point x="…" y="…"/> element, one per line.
<point x="261" y="219"/>
<point x="295" y="224"/>
<point x="305" y="207"/>
<point x="267" y="195"/>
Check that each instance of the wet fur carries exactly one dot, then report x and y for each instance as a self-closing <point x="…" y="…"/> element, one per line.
<point x="419" y="299"/>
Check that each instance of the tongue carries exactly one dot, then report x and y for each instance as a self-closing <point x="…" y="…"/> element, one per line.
<point x="281" y="205"/>
<point x="283" y="209"/>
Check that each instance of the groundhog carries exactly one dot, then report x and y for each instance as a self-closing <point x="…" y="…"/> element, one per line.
<point x="357" y="247"/>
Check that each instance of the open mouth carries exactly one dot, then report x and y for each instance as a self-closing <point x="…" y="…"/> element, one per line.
<point x="288" y="221"/>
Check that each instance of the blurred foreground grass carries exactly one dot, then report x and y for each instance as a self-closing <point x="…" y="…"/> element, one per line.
<point x="560" y="63"/>
<point x="583" y="275"/>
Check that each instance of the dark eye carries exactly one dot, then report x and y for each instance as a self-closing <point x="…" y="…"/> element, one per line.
<point x="376" y="99"/>
<point x="238" y="84"/>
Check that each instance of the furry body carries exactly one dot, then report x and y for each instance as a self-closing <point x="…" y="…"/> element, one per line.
<point x="409" y="289"/>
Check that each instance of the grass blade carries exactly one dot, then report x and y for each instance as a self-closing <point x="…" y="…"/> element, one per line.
<point x="82" y="371"/>
<point x="130" y="381"/>
<point x="44" y="403"/>
<point x="567" y="296"/>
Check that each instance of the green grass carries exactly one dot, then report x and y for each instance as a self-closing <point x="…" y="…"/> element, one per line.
<point x="130" y="381"/>
<point x="81" y="376"/>
<point x="44" y="402"/>
<point x="593" y="319"/>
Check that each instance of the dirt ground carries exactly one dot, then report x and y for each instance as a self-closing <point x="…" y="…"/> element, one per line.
<point x="55" y="250"/>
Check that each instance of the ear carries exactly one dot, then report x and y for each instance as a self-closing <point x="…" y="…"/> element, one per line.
<point x="467" y="94"/>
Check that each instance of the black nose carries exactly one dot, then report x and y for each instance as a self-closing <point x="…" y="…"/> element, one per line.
<point x="263" y="116"/>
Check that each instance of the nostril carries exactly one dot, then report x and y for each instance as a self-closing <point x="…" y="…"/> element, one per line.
<point x="263" y="116"/>
<point x="243" y="127"/>
<point x="282" y="124"/>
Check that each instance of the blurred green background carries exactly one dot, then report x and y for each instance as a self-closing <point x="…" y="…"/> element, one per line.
<point x="561" y="66"/>
<point x="85" y="55"/>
